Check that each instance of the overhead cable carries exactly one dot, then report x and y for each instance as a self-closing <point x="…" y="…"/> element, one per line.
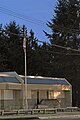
<point x="20" y="16"/>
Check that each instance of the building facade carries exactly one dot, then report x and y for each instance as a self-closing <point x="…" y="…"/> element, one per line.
<point x="48" y="92"/>
<point x="38" y="92"/>
<point x="11" y="91"/>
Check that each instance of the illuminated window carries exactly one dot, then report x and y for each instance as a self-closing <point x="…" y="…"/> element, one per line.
<point x="55" y="94"/>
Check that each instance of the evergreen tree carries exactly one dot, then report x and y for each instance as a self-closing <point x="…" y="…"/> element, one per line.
<point x="14" y="46"/>
<point x="65" y="27"/>
<point x="3" y="51"/>
<point x="65" y="24"/>
<point x="32" y="40"/>
<point x="32" y="49"/>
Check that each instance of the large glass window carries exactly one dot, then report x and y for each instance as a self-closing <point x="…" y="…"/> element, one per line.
<point x="56" y="94"/>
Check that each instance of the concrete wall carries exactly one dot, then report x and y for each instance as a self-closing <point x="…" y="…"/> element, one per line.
<point x="11" y="96"/>
<point x="60" y="92"/>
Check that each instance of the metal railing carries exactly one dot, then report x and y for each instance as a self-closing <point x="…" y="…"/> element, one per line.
<point x="39" y="111"/>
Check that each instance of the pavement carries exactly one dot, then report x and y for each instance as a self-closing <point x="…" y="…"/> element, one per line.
<point x="61" y="115"/>
<point x="41" y="116"/>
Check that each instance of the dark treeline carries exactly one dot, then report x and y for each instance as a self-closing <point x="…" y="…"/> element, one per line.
<point x="46" y="59"/>
<point x="42" y="59"/>
<point x="65" y="27"/>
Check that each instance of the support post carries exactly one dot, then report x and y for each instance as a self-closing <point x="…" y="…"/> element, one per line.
<point x="25" y="81"/>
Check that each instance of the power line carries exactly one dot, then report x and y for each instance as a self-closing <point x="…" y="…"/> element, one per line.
<point x="51" y="51"/>
<point x="20" y="16"/>
<point x="61" y="53"/>
<point x="35" y="21"/>
<point x="17" y="15"/>
<point x="58" y="46"/>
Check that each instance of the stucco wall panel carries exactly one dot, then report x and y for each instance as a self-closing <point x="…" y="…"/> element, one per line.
<point x="44" y="87"/>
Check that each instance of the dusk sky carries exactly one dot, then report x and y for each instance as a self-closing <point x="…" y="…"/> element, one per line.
<point x="34" y="14"/>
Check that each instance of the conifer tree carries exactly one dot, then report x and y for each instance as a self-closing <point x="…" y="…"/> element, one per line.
<point x="65" y="27"/>
<point x="14" y="39"/>
<point x="65" y="24"/>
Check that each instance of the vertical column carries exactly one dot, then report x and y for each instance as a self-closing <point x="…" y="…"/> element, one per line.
<point x="47" y="92"/>
<point x="2" y="99"/>
<point x="37" y="97"/>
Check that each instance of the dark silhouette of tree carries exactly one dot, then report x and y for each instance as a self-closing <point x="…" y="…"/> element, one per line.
<point x="14" y="46"/>
<point x="65" y="26"/>
<point x="3" y="51"/>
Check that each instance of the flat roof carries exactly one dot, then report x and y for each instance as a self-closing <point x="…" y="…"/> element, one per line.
<point x="13" y="77"/>
<point x="9" y="79"/>
<point x="54" y="81"/>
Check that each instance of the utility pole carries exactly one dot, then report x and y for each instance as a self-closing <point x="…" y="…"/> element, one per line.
<point x="25" y="82"/>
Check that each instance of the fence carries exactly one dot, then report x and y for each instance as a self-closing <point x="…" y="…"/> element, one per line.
<point x="39" y="111"/>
